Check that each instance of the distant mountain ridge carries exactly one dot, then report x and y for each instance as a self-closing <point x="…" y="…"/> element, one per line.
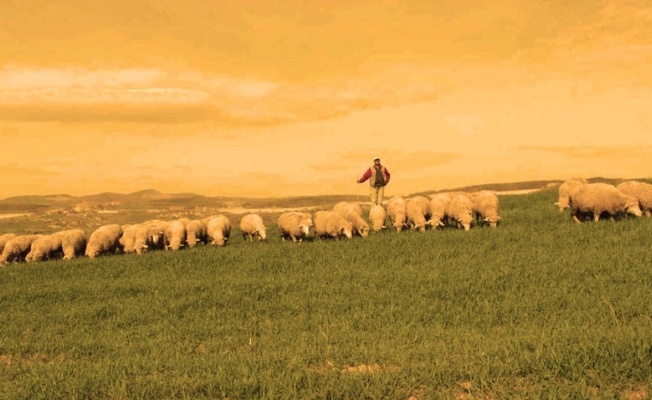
<point x="151" y="198"/>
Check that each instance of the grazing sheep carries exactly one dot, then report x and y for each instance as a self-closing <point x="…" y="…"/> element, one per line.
<point x="196" y="232"/>
<point x="396" y="213"/>
<point x="218" y="228"/>
<point x="485" y="207"/>
<point x="423" y="203"/>
<point x="148" y="237"/>
<point x="438" y="204"/>
<point x="295" y="225"/>
<point x="565" y="189"/>
<point x="128" y="238"/>
<point x="174" y="236"/>
<point x="104" y="240"/>
<point x="344" y="208"/>
<point x="252" y="225"/>
<point x="460" y="210"/>
<point x="73" y="243"/>
<point x="330" y="223"/>
<point x="416" y="219"/>
<point x="4" y="239"/>
<point x="642" y="191"/>
<point x="352" y="212"/>
<point x="601" y="198"/>
<point x="377" y="215"/>
<point x="16" y="249"/>
<point x="45" y="247"/>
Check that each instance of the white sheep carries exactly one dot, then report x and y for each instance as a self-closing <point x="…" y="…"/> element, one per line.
<point x="377" y="216"/>
<point x="148" y="237"/>
<point x="4" y="239"/>
<point x="45" y="247"/>
<point x="218" y="228"/>
<point x="345" y="207"/>
<point x="438" y="204"/>
<point x="128" y="238"/>
<point x="485" y="207"/>
<point x="104" y="240"/>
<point x="73" y="242"/>
<point x="174" y="236"/>
<point x="564" y="191"/>
<point x="642" y="191"/>
<point x="196" y="232"/>
<point x="460" y="210"/>
<point x="396" y="213"/>
<point x="252" y="225"/>
<point x="414" y="211"/>
<point x="295" y="225"/>
<point x="16" y="249"/>
<point x="601" y="198"/>
<point x="330" y="223"/>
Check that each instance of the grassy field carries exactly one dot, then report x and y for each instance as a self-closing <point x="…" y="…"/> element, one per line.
<point x="538" y="308"/>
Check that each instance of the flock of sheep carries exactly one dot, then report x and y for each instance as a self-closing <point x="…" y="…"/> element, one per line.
<point x="344" y="220"/>
<point x="598" y="200"/>
<point x="461" y="209"/>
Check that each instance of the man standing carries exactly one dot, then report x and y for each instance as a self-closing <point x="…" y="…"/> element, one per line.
<point x="378" y="177"/>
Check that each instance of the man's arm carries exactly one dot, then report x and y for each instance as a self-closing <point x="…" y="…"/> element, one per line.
<point x="387" y="176"/>
<point x="366" y="176"/>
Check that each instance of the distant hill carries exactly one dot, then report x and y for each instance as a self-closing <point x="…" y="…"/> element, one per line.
<point x="150" y="198"/>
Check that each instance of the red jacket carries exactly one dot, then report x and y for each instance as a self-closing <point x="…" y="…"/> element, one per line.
<point x="371" y="172"/>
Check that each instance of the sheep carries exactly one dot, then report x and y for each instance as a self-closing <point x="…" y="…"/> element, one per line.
<point x="485" y="207"/>
<point x="44" y="248"/>
<point x="252" y="225"/>
<point x="416" y="219"/>
<point x="330" y="223"/>
<point x="423" y="203"/>
<point x="218" y="228"/>
<point x="128" y="238"/>
<point x="599" y="198"/>
<point x="4" y="239"/>
<point x="174" y="235"/>
<point x="643" y="193"/>
<point x="196" y="232"/>
<point x="104" y="240"/>
<point x="295" y="225"/>
<point x="377" y="215"/>
<point x="396" y="213"/>
<point x="565" y="189"/>
<point x="17" y="248"/>
<point x="460" y="210"/>
<point x="352" y="212"/>
<point x="438" y="204"/>
<point x="73" y="243"/>
<point x="147" y="237"/>
<point x="344" y="207"/>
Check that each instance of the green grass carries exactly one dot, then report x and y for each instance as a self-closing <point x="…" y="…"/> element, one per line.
<point x="538" y="308"/>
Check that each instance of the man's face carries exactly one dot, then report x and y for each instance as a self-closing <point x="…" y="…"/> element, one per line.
<point x="377" y="162"/>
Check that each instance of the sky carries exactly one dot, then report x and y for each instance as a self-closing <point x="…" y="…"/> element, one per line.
<point x="295" y="98"/>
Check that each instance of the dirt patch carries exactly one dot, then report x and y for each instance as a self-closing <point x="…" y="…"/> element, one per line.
<point x="5" y="216"/>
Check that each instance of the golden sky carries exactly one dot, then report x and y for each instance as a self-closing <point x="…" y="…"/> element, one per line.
<point x="295" y="97"/>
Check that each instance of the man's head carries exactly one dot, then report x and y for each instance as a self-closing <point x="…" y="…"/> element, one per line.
<point x="377" y="160"/>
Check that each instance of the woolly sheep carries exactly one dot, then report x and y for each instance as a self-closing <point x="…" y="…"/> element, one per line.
<point x="344" y="208"/>
<point x="438" y="204"/>
<point x="423" y="203"/>
<point x="330" y="223"/>
<point x="4" y="239"/>
<point x="44" y="248"/>
<point x="252" y="225"/>
<point x="128" y="238"/>
<point x="104" y="240"/>
<point x="17" y="248"/>
<point x="598" y="198"/>
<point x="148" y="237"/>
<point x="295" y="225"/>
<point x="642" y="191"/>
<point x="174" y="236"/>
<point x="565" y="189"/>
<point x="485" y="207"/>
<point x="377" y="216"/>
<point x="218" y="228"/>
<point x="416" y="219"/>
<point x="196" y="232"/>
<point x="73" y="243"/>
<point x="460" y="210"/>
<point x="396" y="213"/>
